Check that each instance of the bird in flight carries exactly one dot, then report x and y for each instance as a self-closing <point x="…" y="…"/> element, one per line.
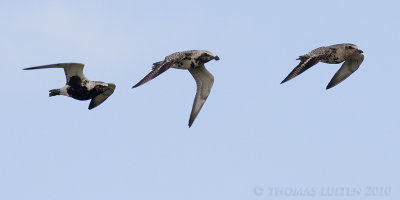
<point x="349" y="53"/>
<point x="78" y="86"/>
<point x="192" y="60"/>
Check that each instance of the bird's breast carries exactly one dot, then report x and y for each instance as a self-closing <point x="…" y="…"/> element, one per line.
<point x="185" y="64"/>
<point x="333" y="59"/>
<point x="79" y="93"/>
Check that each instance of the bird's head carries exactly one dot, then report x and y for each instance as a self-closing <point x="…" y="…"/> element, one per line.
<point x="353" y="48"/>
<point x="206" y="56"/>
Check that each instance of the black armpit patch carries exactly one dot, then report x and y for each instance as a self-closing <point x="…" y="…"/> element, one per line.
<point x="75" y="81"/>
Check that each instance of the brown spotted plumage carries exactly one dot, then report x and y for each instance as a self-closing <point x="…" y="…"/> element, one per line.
<point x="193" y="61"/>
<point x="349" y="53"/>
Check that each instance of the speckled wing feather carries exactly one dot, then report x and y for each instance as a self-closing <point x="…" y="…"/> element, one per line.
<point x="305" y="63"/>
<point x="102" y="97"/>
<point x="70" y="69"/>
<point x="160" y="67"/>
<point x="348" y="67"/>
<point x="157" y="64"/>
<point x="204" y="82"/>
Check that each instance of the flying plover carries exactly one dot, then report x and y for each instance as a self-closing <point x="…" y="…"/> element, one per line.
<point x="78" y="86"/>
<point x="349" y="53"/>
<point x="193" y="61"/>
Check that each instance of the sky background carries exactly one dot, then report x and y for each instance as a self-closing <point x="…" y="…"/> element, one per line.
<point x="252" y="134"/>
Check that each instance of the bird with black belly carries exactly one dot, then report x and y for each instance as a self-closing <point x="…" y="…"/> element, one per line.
<point x="78" y="86"/>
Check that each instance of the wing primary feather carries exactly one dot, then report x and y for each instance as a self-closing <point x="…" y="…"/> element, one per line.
<point x="302" y="67"/>
<point x="70" y="69"/>
<point x="99" y="99"/>
<point x="204" y="81"/>
<point x="154" y="73"/>
<point x="347" y="68"/>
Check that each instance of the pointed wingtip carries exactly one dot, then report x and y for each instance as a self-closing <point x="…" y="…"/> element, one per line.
<point x="329" y="86"/>
<point x="285" y="80"/>
<point x="139" y="83"/>
<point x="190" y="122"/>
<point x="91" y="106"/>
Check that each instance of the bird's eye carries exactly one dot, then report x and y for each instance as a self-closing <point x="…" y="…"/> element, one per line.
<point x="350" y="47"/>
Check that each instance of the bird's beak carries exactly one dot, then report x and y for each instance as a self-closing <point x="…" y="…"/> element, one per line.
<point x="216" y="57"/>
<point x="360" y="51"/>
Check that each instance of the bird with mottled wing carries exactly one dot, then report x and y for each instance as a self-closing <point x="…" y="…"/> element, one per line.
<point x="333" y="54"/>
<point x="192" y="60"/>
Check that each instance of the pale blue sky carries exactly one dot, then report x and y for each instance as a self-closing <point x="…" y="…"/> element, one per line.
<point x="252" y="132"/>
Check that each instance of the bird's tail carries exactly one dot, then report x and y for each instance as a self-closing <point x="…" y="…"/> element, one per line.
<point x="54" y="92"/>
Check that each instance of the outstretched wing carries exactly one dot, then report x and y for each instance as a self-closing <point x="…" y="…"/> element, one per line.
<point x="70" y="69"/>
<point x="348" y="67"/>
<point x="204" y="82"/>
<point x="102" y="97"/>
<point x="305" y="63"/>
<point x="156" y="65"/>
<point x="156" y="71"/>
<point x="162" y="66"/>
